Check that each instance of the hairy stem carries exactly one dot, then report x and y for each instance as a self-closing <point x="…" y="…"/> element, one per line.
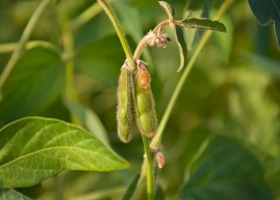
<point x="109" y="11"/>
<point x="156" y="140"/>
<point x="22" y="41"/>
<point x="143" y="43"/>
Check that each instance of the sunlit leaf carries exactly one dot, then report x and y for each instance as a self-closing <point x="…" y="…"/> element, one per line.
<point x="36" y="82"/>
<point x="33" y="149"/>
<point x="168" y="9"/>
<point x="266" y="12"/>
<point x="203" y="24"/>
<point x="10" y="194"/>
<point x="90" y="120"/>
<point x="226" y="171"/>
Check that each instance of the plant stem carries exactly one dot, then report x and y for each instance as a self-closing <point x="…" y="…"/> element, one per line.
<point x="143" y="43"/>
<point x="109" y="11"/>
<point x="68" y="44"/>
<point x="10" y="47"/>
<point x="156" y="140"/>
<point x="22" y="41"/>
<point x="150" y="168"/>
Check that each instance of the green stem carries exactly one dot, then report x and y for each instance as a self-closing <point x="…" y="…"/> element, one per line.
<point x="150" y="168"/>
<point x="10" y="47"/>
<point x="109" y="11"/>
<point x="156" y="140"/>
<point x="21" y="44"/>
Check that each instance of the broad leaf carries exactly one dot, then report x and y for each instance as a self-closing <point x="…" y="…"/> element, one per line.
<point x="33" y="149"/>
<point x="181" y="44"/>
<point x="226" y="171"/>
<point x="266" y="12"/>
<point x="168" y="9"/>
<point x="90" y="121"/>
<point x="35" y="82"/>
<point x="11" y="194"/>
<point x="203" y="24"/>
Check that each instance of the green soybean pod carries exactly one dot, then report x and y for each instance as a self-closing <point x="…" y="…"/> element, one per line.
<point x="145" y="105"/>
<point x="124" y="105"/>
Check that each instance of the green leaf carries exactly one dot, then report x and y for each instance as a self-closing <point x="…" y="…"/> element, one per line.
<point x="90" y="121"/>
<point x="132" y="187"/>
<point x="33" y="149"/>
<point x="226" y="171"/>
<point x="266" y="12"/>
<point x="202" y="24"/>
<point x="36" y="82"/>
<point x="168" y="9"/>
<point x="101" y="59"/>
<point x="131" y="19"/>
<point x="11" y="194"/>
<point x="181" y="44"/>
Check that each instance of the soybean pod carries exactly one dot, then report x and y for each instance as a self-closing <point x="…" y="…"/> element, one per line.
<point x="145" y="105"/>
<point x="124" y="104"/>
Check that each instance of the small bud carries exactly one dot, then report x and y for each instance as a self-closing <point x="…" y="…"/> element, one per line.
<point x="144" y="75"/>
<point x="160" y="159"/>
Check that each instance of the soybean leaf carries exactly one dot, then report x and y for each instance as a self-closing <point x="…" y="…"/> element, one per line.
<point x="168" y="9"/>
<point x="266" y="12"/>
<point x="181" y="44"/>
<point x="195" y="9"/>
<point x="101" y="59"/>
<point x="33" y="149"/>
<point x="226" y="171"/>
<point x="10" y="194"/>
<point x="35" y="83"/>
<point x="203" y="24"/>
<point x="90" y="121"/>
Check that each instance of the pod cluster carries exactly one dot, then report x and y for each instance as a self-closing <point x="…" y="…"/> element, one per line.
<point x="135" y="103"/>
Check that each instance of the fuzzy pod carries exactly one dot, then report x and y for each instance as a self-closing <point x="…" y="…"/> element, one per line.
<point x="145" y="105"/>
<point x="124" y="105"/>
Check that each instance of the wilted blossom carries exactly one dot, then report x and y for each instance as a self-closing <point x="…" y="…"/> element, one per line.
<point x="160" y="38"/>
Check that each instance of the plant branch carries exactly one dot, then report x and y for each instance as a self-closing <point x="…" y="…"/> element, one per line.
<point x="156" y="140"/>
<point x="21" y="44"/>
<point x="109" y="11"/>
<point x="10" y="47"/>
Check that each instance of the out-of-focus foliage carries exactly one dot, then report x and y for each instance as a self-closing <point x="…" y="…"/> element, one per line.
<point x="229" y="104"/>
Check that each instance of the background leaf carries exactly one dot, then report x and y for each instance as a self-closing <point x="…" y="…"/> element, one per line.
<point x="33" y="149"/>
<point x="102" y="64"/>
<point x="10" y="194"/>
<point x="226" y="170"/>
<point x="203" y="24"/>
<point x="35" y="83"/>
<point x="267" y="11"/>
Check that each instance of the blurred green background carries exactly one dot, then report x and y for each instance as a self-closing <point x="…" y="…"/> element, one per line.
<point x="231" y="99"/>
